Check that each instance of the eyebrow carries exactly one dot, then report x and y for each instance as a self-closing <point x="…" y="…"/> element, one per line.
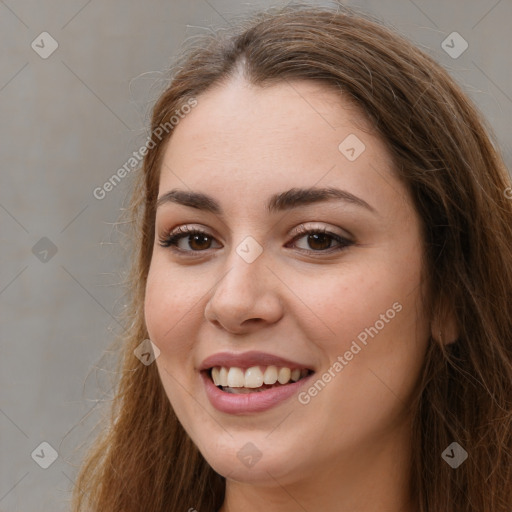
<point x="293" y="198"/>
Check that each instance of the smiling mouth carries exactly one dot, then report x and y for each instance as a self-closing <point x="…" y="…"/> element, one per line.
<point x="255" y="379"/>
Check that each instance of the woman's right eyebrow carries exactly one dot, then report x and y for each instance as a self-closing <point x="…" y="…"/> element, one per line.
<point x="287" y="200"/>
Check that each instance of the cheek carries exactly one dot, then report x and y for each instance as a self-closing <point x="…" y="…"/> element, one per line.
<point x="373" y="319"/>
<point x="381" y="338"/>
<point x="171" y="311"/>
<point x="171" y="308"/>
<point x="344" y="306"/>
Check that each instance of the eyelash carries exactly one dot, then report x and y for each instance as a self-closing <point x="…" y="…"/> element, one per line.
<point x="170" y="240"/>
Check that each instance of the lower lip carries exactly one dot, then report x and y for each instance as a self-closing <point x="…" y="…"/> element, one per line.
<point x="258" y="401"/>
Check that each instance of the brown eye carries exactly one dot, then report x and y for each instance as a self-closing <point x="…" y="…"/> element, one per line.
<point x="320" y="240"/>
<point x="197" y="240"/>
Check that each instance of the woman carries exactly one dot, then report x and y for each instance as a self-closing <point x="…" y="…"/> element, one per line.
<point x="324" y="270"/>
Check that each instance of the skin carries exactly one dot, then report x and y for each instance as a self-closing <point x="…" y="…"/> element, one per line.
<point x="347" y="449"/>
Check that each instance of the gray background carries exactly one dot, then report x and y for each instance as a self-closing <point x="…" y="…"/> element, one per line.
<point x="68" y="122"/>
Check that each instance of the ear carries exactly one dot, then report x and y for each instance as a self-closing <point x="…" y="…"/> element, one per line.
<point x="445" y="327"/>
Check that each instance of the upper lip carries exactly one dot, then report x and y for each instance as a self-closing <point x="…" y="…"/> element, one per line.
<point x="247" y="360"/>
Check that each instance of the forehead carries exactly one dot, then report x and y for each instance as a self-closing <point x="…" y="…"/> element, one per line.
<point x="249" y="118"/>
<point x="249" y="141"/>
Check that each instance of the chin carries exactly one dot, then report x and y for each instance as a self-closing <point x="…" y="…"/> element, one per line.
<point x="243" y="460"/>
<point x="260" y="473"/>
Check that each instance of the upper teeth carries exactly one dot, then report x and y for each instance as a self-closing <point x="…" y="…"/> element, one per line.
<point x="254" y="377"/>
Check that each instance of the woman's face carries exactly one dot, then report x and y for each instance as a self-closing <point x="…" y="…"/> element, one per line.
<point x="343" y="307"/>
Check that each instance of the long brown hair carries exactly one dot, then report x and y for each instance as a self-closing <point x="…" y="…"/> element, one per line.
<point x="443" y="151"/>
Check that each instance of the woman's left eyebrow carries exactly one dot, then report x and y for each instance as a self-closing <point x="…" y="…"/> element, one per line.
<point x="293" y="198"/>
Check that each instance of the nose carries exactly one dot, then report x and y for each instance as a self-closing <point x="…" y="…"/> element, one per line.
<point x="246" y="296"/>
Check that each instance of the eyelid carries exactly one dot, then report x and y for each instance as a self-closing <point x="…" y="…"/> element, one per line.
<point x="302" y="228"/>
<point x="305" y="227"/>
<point x="185" y="229"/>
<point x="170" y="237"/>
